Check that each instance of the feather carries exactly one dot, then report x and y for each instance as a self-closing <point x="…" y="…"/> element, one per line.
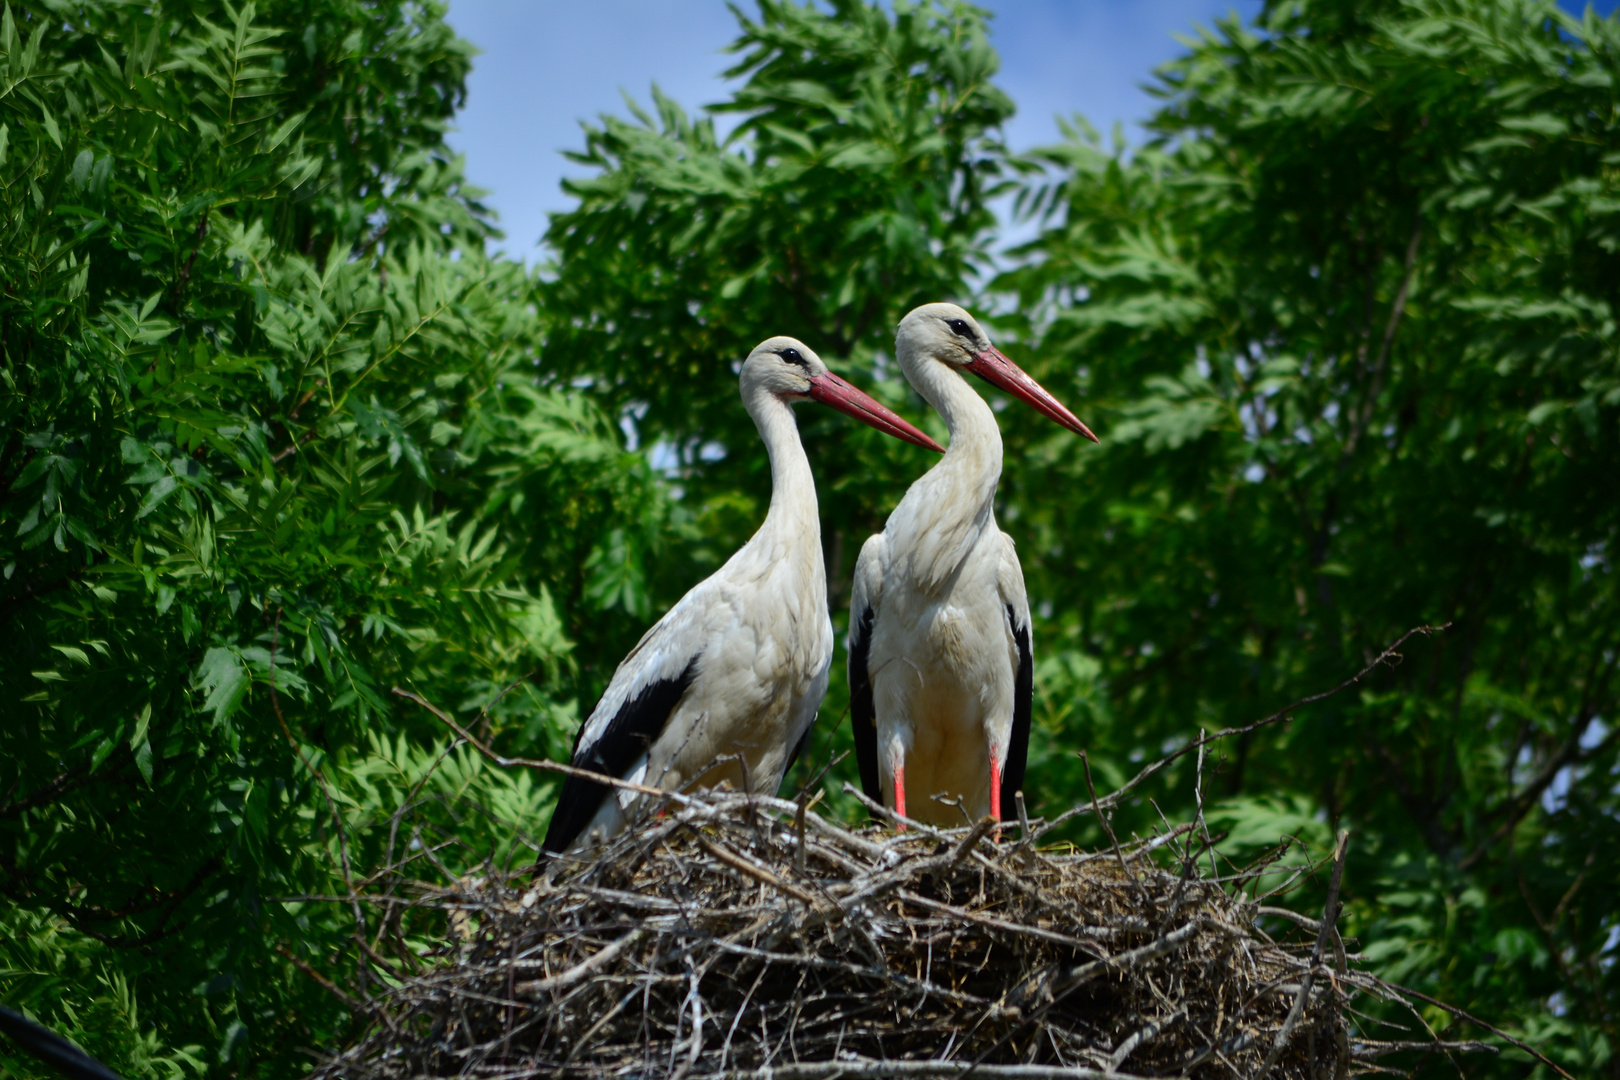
<point x="862" y="715"/>
<point x="52" y="1048"/>
<point x="1012" y="776"/>
<point x="623" y="740"/>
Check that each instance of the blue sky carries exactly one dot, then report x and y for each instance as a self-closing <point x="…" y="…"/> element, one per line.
<point x="547" y="65"/>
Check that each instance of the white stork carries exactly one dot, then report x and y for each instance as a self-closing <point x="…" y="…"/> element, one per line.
<point x="737" y="668"/>
<point x="940" y="664"/>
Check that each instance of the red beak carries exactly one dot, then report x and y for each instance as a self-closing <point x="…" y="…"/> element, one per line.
<point x="994" y="368"/>
<point x="829" y="389"/>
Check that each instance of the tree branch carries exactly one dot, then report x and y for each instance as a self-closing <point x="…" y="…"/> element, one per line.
<point x="68" y="781"/>
<point x="320" y="980"/>
<point x="1330" y="916"/>
<point x="1286" y="712"/>
<point x="1396" y="311"/>
<point x="1518" y="806"/>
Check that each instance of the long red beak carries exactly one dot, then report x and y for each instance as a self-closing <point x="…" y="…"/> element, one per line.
<point x="829" y="389"/>
<point x="994" y="368"/>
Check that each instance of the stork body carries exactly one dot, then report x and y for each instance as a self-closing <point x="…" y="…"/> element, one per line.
<point x="941" y="664"/>
<point x="725" y="686"/>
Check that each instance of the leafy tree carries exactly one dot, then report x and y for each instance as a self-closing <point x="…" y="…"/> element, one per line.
<point x="270" y="442"/>
<point x="277" y="436"/>
<point x="1348" y="326"/>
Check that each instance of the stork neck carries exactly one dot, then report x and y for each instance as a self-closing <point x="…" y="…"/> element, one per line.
<point x="793" y="487"/>
<point x="948" y="509"/>
<point x="973" y="459"/>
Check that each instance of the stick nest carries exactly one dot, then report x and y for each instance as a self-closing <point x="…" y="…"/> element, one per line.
<point x="737" y="936"/>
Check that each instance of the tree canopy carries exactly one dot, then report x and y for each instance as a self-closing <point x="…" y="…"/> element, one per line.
<point x="276" y="435"/>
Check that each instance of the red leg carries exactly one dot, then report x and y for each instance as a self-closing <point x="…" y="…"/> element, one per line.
<point x="900" y="793"/>
<point x="995" y="789"/>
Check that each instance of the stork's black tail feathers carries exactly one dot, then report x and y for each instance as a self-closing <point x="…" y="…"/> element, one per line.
<point x="52" y="1049"/>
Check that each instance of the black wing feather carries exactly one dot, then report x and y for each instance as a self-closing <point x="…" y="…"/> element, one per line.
<point x="639" y="722"/>
<point x="798" y="747"/>
<point x="862" y="715"/>
<point x="52" y="1049"/>
<point x="1012" y="777"/>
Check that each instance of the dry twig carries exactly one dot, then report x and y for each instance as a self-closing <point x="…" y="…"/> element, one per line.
<point x="750" y="937"/>
<point x="745" y="936"/>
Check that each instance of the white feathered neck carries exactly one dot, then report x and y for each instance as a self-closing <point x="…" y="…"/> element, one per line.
<point x="949" y="507"/>
<point x="793" y="522"/>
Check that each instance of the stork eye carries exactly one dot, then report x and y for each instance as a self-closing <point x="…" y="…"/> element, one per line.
<point x="792" y="356"/>
<point x="959" y="328"/>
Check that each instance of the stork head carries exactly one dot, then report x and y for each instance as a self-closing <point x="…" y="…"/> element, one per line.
<point x="790" y="369"/>
<point x="949" y="335"/>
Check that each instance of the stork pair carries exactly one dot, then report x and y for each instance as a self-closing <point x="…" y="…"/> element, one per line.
<point x="726" y="685"/>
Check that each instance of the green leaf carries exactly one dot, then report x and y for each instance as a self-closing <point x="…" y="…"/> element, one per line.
<point x="141" y="745"/>
<point x="30" y="55"/>
<point x="287" y="127"/>
<point x="160" y="490"/>
<point x="142" y="722"/>
<point x="224" y="679"/>
<point x="81" y="167"/>
<point x="1538" y="124"/>
<point x="50" y="125"/>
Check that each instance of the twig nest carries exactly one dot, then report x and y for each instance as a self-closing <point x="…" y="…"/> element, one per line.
<point x="735" y="936"/>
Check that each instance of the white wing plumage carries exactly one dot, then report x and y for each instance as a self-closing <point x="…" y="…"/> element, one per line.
<point x="1010" y="583"/>
<point x="662" y="654"/>
<point x="635" y="710"/>
<point x="867" y="590"/>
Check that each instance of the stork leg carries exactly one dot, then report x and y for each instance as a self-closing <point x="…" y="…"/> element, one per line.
<point x="995" y="787"/>
<point x="900" y="793"/>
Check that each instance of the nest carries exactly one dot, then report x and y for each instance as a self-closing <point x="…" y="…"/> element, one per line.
<point x="747" y="936"/>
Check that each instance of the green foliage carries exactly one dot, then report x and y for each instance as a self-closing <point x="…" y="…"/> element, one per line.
<point x="853" y="185"/>
<point x="271" y="442"/>
<point x="276" y="436"/>
<point x="1348" y="327"/>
